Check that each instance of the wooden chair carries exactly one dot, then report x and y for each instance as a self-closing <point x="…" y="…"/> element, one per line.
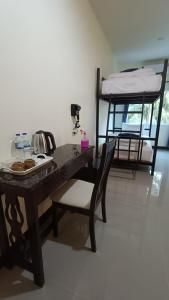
<point x="84" y="193"/>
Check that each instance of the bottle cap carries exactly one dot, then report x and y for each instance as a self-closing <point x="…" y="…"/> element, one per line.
<point x="82" y="131"/>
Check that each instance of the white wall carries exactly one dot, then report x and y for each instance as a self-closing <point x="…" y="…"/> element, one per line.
<point x="49" y="53"/>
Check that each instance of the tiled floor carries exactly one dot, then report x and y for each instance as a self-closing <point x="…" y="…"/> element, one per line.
<point x="132" y="260"/>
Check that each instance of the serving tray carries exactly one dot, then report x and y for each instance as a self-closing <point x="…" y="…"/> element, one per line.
<point x="5" y="167"/>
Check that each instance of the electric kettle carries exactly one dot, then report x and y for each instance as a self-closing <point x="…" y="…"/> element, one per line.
<point x="43" y="142"/>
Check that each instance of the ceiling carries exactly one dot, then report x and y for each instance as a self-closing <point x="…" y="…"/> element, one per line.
<point x="137" y="30"/>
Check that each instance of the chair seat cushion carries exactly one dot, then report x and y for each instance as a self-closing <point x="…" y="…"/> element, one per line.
<point x="75" y="193"/>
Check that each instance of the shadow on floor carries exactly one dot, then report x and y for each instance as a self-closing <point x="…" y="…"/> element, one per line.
<point x="73" y="231"/>
<point x="14" y="283"/>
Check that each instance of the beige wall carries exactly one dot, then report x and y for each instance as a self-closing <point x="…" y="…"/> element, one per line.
<point x="49" y="53"/>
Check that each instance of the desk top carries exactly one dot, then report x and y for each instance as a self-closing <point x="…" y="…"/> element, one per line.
<point x="65" y="159"/>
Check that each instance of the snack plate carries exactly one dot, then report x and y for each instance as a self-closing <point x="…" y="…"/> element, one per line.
<point x="5" y="167"/>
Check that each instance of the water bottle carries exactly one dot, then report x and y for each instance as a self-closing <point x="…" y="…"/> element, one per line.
<point x="19" y="147"/>
<point x="26" y="145"/>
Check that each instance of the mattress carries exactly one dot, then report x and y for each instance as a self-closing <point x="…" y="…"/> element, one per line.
<point x="123" y="85"/>
<point x="147" y="151"/>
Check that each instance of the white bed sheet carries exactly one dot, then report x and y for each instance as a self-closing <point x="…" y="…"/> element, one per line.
<point x="132" y="85"/>
<point x="147" y="151"/>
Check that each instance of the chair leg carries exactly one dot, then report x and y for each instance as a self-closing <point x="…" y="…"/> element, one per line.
<point x="55" y="222"/>
<point x="92" y="233"/>
<point x="103" y="204"/>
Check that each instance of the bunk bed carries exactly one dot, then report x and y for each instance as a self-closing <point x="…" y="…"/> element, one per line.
<point x="133" y="148"/>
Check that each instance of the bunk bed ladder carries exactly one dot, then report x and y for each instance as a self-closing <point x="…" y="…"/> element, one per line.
<point x="97" y="111"/>
<point x="108" y="121"/>
<point x="151" y="119"/>
<point x="140" y="144"/>
<point x="159" y="115"/>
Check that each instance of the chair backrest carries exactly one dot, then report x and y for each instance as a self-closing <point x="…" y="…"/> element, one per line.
<point x="103" y="172"/>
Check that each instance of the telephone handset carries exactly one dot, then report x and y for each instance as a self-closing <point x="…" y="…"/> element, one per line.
<point x="75" y="108"/>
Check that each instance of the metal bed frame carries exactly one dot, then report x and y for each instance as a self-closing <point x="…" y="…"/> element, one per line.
<point x="134" y="98"/>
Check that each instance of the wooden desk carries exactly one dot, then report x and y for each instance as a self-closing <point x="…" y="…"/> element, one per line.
<point x="25" y="249"/>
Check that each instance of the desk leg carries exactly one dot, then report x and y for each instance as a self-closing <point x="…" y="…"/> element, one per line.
<point x="35" y="242"/>
<point x="4" y="243"/>
<point x="90" y="163"/>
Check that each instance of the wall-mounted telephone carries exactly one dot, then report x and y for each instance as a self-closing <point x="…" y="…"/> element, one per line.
<point x="75" y="108"/>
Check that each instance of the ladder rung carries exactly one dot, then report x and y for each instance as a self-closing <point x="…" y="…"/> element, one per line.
<point x="127" y="131"/>
<point x="125" y="112"/>
<point x="126" y="150"/>
<point x="120" y="130"/>
<point x="126" y="138"/>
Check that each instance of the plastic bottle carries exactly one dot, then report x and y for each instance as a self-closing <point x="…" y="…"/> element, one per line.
<point x="26" y="145"/>
<point x="18" y="147"/>
<point x="84" y="140"/>
<point x="13" y="146"/>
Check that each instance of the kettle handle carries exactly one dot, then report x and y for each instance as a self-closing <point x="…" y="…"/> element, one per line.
<point x="50" y="141"/>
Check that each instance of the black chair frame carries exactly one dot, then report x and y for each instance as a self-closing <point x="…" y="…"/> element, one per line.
<point x="99" y="178"/>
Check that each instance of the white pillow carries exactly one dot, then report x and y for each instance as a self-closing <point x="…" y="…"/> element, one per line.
<point x="132" y="127"/>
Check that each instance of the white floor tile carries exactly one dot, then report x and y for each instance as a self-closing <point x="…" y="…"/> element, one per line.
<point x="132" y="260"/>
